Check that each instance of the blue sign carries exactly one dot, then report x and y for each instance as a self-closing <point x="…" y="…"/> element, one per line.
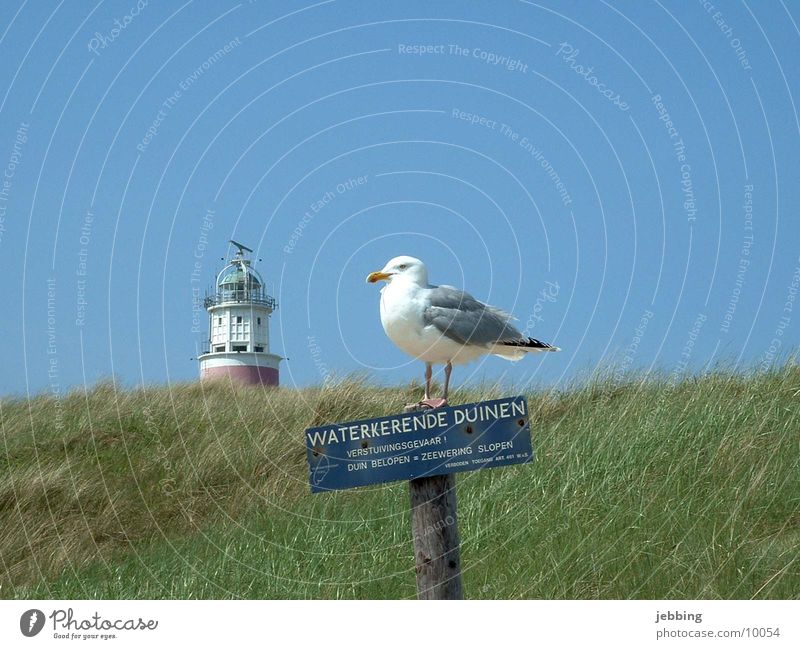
<point x="419" y="444"/>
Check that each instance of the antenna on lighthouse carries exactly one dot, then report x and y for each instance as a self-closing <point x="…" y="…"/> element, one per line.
<point x="242" y="248"/>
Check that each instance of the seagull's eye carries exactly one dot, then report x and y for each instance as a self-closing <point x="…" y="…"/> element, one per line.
<point x="403" y="266"/>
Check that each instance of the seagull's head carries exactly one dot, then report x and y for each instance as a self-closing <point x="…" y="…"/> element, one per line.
<point x="402" y="268"/>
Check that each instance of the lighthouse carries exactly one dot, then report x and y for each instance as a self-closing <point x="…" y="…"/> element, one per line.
<point x="238" y="326"/>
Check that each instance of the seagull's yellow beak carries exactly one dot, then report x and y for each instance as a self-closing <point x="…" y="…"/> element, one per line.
<point x="378" y="276"/>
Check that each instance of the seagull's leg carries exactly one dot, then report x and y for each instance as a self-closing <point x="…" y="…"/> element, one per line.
<point x="428" y="402"/>
<point x="428" y="375"/>
<point x="447" y="370"/>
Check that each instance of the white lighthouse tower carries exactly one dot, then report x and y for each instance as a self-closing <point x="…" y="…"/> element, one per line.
<point x="238" y="326"/>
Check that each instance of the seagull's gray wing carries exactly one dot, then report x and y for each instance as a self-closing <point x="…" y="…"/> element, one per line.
<point x="462" y="318"/>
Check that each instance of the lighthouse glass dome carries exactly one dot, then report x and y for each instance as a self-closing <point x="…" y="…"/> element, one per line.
<point x="240" y="282"/>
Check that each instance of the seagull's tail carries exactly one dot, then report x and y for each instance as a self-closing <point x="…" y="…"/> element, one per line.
<point x="514" y="350"/>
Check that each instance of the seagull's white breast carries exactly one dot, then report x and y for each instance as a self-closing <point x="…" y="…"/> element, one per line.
<point x="402" y="316"/>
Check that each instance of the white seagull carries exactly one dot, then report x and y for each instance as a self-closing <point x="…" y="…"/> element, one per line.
<point x="443" y="325"/>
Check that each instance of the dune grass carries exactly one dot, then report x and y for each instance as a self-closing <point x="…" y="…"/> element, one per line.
<point x="642" y="490"/>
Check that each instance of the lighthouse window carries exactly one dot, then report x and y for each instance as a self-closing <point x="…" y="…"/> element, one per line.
<point x="219" y="348"/>
<point x="219" y="321"/>
<point x="259" y="348"/>
<point x="259" y="322"/>
<point x="238" y="319"/>
<point x="240" y="348"/>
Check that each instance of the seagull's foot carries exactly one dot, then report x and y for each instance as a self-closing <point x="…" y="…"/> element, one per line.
<point x="427" y="404"/>
<point x="433" y="403"/>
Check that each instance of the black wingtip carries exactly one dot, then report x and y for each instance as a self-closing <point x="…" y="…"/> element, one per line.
<point x="532" y="343"/>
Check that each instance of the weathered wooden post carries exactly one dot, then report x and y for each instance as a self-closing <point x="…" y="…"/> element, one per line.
<point x="434" y="527"/>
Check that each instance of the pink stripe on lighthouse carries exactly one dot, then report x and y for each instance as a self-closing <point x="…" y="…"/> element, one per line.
<point x="247" y="374"/>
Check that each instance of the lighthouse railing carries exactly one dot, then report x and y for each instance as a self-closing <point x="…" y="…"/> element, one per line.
<point x="241" y="297"/>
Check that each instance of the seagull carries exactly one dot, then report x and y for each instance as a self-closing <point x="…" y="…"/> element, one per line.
<point x="443" y="325"/>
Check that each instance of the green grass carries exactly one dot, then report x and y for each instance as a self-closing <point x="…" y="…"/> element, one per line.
<point x="641" y="490"/>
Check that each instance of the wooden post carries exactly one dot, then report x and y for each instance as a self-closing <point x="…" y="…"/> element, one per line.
<point x="434" y="526"/>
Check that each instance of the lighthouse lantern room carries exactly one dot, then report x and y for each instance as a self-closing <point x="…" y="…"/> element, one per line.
<point x="238" y="326"/>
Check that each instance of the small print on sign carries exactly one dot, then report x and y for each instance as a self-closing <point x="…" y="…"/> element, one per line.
<point x="418" y="444"/>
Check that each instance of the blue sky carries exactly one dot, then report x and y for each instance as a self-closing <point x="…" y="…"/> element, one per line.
<point x="622" y="176"/>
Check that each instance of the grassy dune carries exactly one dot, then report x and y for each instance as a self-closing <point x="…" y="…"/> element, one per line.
<point x="641" y="490"/>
